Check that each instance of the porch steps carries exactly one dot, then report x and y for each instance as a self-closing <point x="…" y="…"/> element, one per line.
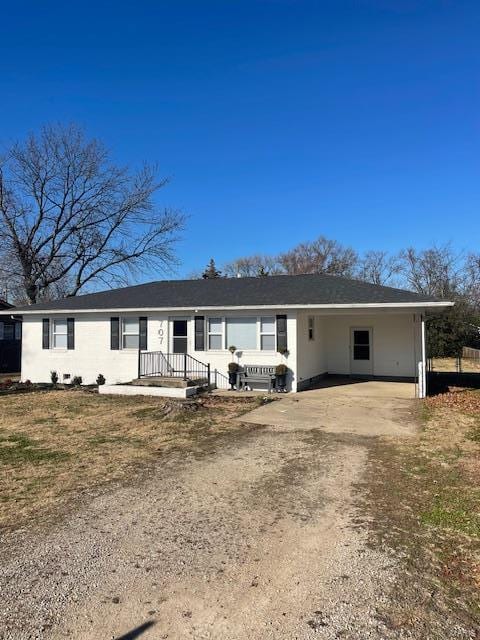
<point x="158" y="386"/>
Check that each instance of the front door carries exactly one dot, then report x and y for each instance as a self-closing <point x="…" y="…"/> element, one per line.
<point x="361" y="356"/>
<point x="179" y="335"/>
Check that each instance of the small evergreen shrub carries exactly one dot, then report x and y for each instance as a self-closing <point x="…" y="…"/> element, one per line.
<point x="77" y="381"/>
<point x="54" y="377"/>
<point x="100" y="379"/>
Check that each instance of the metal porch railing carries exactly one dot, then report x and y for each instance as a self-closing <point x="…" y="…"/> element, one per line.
<point x="172" y="365"/>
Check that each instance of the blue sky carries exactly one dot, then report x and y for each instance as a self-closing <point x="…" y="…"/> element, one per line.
<point x="277" y="120"/>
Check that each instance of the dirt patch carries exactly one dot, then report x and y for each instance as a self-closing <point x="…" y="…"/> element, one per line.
<point x="55" y="445"/>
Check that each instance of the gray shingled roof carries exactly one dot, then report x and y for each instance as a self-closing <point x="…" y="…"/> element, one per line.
<point x="228" y="292"/>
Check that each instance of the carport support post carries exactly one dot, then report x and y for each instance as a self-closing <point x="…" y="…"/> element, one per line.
<point x="422" y="386"/>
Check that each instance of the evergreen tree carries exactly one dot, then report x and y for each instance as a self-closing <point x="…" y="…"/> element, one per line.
<point x="211" y="271"/>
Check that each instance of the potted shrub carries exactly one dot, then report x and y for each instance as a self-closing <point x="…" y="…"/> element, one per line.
<point x="233" y="369"/>
<point x="54" y="378"/>
<point x="281" y="377"/>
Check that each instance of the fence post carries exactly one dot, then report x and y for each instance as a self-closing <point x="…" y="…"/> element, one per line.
<point x="184" y="366"/>
<point x="208" y="373"/>
<point x="139" y="366"/>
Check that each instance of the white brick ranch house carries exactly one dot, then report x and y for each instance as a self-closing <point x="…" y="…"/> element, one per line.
<point x="328" y="324"/>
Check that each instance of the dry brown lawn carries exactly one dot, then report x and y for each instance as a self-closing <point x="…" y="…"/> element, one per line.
<point x="469" y="365"/>
<point x="424" y="497"/>
<point x="56" y="444"/>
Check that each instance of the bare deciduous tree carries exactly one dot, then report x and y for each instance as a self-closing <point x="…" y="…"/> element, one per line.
<point x="252" y="266"/>
<point x="378" y="267"/>
<point x="434" y="272"/>
<point x="320" y="256"/>
<point x="472" y="278"/>
<point x="70" y="218"/>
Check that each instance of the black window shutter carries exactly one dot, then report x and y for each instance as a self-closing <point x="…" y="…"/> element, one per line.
<point x="115" y="333"/>
<point x="70" y="333"/>
<point x="142" y="323"/>
<point x="199" y="333"/>
<point x="282" y="333"/>
<point x="45" y="333"/>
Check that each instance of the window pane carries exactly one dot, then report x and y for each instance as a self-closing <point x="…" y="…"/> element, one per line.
<point x="179" y="327"/>
<point x="242" y="333"/>
<point x="179" y="345"/>
<point x="130" y="325"/>
<point x="361" y="352"/>
<point x="361" y="337"/>
<point x="267" y="325"/>
<point x="215" y="325"/>
<point x="18" y="331"/>
<point x="60" y="326"/>
<point x="1" y="330"/>
<point x="130" y="341"/>
<point x="8" y="332"/>
<point x="60" y="341"/>
<point x="267" y="343"/>
<point x="214" y="342"/>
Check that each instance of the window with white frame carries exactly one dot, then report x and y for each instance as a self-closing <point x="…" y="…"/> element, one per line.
<point x="267" y="333"/>
<point x="130" y="333"/>
<point x="311" y="328"/>
<point x="215" y="333"/>
<point x="59" y="333"/>
<point x="242" y="332"/>
<point x="248" y="333"/>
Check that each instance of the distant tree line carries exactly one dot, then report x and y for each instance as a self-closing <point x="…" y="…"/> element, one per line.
<point x="439" y="271"/>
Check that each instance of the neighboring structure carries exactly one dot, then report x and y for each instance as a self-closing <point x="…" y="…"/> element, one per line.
<point x="10" y="341"/>
<point x="327" y="324"/>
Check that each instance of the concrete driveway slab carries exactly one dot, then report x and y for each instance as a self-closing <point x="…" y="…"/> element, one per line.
<point x="365" y="409"/>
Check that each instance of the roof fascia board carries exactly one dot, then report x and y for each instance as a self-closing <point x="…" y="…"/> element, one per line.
<point x="371" y="305"/>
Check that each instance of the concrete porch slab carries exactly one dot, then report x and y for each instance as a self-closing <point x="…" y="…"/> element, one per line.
<point x="138" y="390"/>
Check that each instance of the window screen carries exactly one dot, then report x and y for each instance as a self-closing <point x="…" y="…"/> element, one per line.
<point x="267" y="333"/>
<point x="215" y="333"/>
<point x="130" y="331"/>
<point x="60" y="334"/>
<point x="242" y="332"/>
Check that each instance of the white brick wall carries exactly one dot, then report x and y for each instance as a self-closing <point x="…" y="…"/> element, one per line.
<point x="92" y="354"/>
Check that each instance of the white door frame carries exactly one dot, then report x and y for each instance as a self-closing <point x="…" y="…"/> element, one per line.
<point x="366" y="370"/>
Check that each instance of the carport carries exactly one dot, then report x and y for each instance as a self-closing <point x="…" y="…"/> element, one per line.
<point x="385" y="343"/>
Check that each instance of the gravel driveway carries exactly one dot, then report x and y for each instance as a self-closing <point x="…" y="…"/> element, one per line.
<point x="252" y="537"/>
